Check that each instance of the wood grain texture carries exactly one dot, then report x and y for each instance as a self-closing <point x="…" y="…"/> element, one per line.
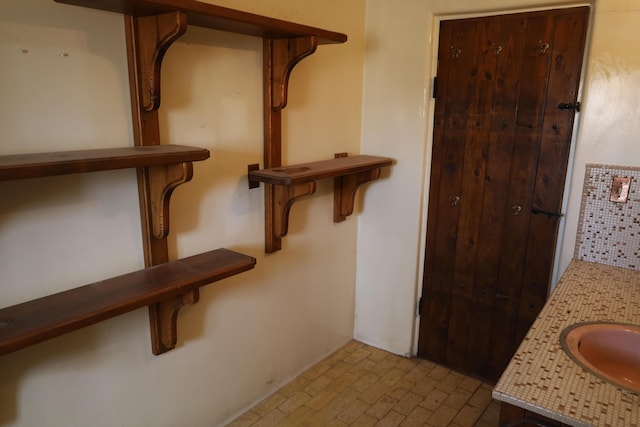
<point x="215" y="17"/>
<point x="21" y="166"/>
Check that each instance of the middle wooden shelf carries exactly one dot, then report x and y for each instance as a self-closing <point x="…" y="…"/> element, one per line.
<point x="285" y="185"/>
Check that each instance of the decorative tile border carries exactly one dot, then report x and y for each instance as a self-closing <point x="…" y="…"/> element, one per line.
<point x="609" y="232"/>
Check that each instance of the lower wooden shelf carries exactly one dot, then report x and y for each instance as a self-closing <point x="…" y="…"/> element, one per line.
<point x="284" y="185"/>
<point x="167" y="286"/>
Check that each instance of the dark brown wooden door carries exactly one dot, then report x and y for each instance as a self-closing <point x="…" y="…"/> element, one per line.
<point x="501" y="146"/>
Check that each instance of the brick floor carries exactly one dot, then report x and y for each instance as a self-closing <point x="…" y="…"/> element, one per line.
<point x="360" y="385"/>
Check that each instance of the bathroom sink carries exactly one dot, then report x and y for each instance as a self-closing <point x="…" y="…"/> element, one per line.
<point x="609" y="350"/>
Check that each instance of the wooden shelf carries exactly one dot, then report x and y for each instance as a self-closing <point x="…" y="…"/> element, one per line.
<point x="287" y="184"/>
<point x="215" y="17"/>
<point x="313" y="171"/>
<point x="23" y="166"/>
<point x="167" y="166"/>
<point x="35" y="321"/>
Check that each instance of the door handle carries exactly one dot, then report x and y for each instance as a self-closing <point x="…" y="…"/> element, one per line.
<point x="516" y="210"/>
<point x="455" y="200"/>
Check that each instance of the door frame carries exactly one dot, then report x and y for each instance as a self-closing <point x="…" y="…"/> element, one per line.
<point x="430" y="113"/>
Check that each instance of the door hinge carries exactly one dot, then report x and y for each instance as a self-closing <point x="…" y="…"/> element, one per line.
<point x="434" y="92"/>
<point x="419" y="308"/>
<point x="567" y="106"/>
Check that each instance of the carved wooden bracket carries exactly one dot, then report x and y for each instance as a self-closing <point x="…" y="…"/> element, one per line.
<point x="163" y="320"/>
<point x="282" y="55"/>
<point x="154" y="35"/>
<point x="284" y="197"/>
<point x="344" y="192"/>
<point x="163" y="180"/>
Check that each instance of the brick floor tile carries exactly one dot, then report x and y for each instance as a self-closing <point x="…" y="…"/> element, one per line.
<point x="481" y="397"/>
<point x="458" y="398"/>
<point x="382" y="407"/>
<point x="378" y="355"/>
<point x="317" y="370"/>
<point x="365" y="421"/>
<point x="450" y="382"/>
<point x="375" y="392"/>
<point x="338" y="369"/>
<point x="294" y="386"/>
<point x="417" y="418"/>
<point x="408" y="403"/>
<point x="383" y="367"/>
<point x="424" y="387"/>
<point x="442" y="416"/>
<point x="294" y="402"/>
<point x="364" y="382"/>
<point x="353" y="411"/>
<point x="299" y="417"/>
<point x="321" y="399"/>
<point x="467" y="416"/>
<point x="392" y="419"/>
<point x="342" y="382"/>
<point x="270" y="419"/>
<point x="470" y="384"/>
<point x="439" y="372"/>
<point x="406" y="364"/>
<point x="317" y="385"/>
<point x="246" y="420"/>
<point x="336" y="423"/>
<point x="269" y="404"/>
<point x="399" y="391"/>
<point x="392" y="377"/>
<point x="358" y="355"/>
<point x="434" y="399"/>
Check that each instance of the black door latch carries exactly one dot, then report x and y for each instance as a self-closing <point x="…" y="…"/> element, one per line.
<point x="565" y="106"/>
<point x="537" y="211"/>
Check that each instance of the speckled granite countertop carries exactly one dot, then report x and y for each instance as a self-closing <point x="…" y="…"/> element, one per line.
<point x="543" y="379"/>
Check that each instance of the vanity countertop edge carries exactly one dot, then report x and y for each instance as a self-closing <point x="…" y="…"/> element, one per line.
<point x="541" y="377"/>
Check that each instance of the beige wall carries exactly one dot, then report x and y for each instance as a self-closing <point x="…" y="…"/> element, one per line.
<point x="253" y="332"/>
<point x="397" y="113"/>
<point x="64" y="85"/>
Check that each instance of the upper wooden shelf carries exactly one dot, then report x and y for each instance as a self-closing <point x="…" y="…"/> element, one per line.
<point x="313" y="171"/>
<point x="23" y="166"/>
<point x="35" y="321"/>
<point x="216" y="17"/>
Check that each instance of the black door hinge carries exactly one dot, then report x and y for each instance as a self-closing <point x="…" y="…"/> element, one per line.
<point x="574" y="106"/>
<point x="419" y="310"/>
<point x="537" y="211"/>
<point x="434" y="93"/>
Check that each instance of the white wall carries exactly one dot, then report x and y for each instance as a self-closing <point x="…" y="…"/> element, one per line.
<point x="397" y="112"/>
<point x="64" y="86"/>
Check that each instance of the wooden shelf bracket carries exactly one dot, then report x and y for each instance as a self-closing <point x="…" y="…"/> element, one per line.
<point x="154" y="35"/>
<point x="163" y="180"/>
<point x="344" y="192"/>
<point x="284" y="197"/>
<point x="163" y="321"/>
